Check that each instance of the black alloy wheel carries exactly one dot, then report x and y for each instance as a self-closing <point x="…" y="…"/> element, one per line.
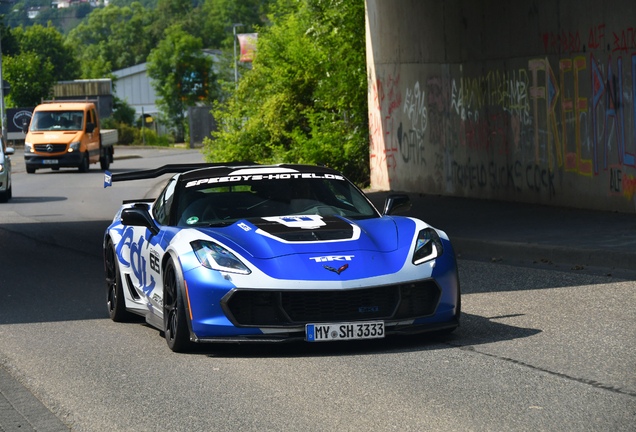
<point x="174" y="318"/>
<point x="114" y="291"/>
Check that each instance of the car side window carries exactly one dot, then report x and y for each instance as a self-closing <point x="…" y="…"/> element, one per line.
<point x="162" y="207"/>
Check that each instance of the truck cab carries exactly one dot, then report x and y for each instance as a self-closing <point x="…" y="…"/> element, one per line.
<point x="65" y="134"/>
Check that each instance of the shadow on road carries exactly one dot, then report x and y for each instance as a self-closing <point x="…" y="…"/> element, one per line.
<point x="475" y="330"/>
<point x="31" y="200"/>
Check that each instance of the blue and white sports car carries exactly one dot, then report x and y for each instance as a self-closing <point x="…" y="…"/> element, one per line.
<point x="244" y="252"/>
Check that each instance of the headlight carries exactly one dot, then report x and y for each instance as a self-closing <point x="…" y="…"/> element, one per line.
<point x="74" y="146"/>
<point x="28" y="147"/>
<point x="215" y="257"/>
<point x="1" y="168"/>
<point x="428" y="246"/>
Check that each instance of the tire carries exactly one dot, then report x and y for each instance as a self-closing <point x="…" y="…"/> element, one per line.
<point x="85" y="165"/>
<point x="175" y="322"/>
<point x="114" y="289"/>
<point x="4" y="197"/>
<point x="104" y="161"/>
<point x="55" y="168"/>
<point x="30" y="169"/>
<point x="10" y="191"/>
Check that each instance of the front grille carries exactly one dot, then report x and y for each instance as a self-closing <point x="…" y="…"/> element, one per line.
<point x="55" y="148"/>
<point x="287" y="308"/>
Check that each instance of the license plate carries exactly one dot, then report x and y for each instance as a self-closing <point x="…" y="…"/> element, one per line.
<point x="49" y="161"/>
<point x="344" y="331"/>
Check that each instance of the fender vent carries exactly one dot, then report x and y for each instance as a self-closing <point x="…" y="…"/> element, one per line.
<point x="131" y="288"/>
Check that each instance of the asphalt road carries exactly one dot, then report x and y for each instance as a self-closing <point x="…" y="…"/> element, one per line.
<point x="537" y="349"/>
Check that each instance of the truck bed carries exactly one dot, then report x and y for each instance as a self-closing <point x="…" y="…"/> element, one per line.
<point x="109" y="137"/>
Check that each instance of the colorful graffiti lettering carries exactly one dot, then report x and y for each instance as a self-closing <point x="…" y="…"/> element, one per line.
<point x="529" y="128"/>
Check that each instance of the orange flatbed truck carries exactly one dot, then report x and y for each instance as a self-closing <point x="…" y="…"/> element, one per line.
<point x="67" y="134"/>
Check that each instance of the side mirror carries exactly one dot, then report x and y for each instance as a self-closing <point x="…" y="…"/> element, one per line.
<point x="9" y="151"/>
<point x="25" y="129"/>
<point x="396" y="204"/>
<point x="90" y="127"/>
<point x="138" y="216"/>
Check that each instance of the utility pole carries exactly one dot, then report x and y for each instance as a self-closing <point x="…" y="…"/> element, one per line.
<point x="234" y="26"/>
<point x="143" y="130"/>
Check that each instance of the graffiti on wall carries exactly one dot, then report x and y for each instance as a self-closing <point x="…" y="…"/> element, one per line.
<point x="520" y="130"/>
<point x="384" y="101"/>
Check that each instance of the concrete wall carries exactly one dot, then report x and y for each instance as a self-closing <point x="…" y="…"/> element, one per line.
<point x="531" y="101"/>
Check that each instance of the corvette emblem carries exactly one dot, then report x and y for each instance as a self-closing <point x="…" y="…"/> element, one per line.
<point x="340" y="270"/>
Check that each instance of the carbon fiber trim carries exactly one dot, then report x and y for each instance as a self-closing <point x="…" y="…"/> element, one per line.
<point x="288" y="308"/>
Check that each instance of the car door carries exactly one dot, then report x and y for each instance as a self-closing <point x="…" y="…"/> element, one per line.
<point x="155" y="249"/>
<point x="93" y="137"/>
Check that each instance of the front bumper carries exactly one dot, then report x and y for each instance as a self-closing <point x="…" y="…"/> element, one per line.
<point x="298" y="335"/>
<point x="35" y="160"/>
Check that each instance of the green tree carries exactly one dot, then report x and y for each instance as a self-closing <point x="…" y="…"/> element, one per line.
<point x="30" y="76"/>
<point x="9" y="43"/>
<point x="49" y="44"/>
<point x="113" y="38"/>
<point x="221" y="14"/>
<point x="123" y="112"/>
<point x="175" y="12"/>
<point x="305" y="100"/>
<point x="181" y="75"/>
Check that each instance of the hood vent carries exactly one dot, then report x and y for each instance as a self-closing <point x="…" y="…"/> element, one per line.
<point x="316" y="228"/>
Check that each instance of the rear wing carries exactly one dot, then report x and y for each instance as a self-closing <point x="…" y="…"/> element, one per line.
<point x="109" y="178"/>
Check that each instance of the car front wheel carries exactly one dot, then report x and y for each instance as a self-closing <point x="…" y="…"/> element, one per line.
<point x="174" y="317"/>
<point x="85" y="165"/>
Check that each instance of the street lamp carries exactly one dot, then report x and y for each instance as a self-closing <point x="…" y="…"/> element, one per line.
<point x="234" y="26"/>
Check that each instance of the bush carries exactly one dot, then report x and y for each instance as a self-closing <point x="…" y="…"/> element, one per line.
<point x="109" y="123"/>
<point x="152" y="139"/>
<point x="128" y="134"/>
<point x="131" y="135"/>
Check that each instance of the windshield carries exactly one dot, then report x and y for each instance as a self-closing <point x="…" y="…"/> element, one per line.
<point x="224" y="204"/>
<point x="57" y="121"/>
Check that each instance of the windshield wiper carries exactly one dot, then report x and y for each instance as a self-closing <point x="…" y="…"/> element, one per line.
<point x="220" y="224"/>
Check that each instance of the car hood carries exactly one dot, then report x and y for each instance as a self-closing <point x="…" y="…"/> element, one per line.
<point x="267" y="238"/>
<point x="54" y="137"/>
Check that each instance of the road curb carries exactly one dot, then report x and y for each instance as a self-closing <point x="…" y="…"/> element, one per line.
<point x="21" y="410"/>
<point x="534" y="251"/>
